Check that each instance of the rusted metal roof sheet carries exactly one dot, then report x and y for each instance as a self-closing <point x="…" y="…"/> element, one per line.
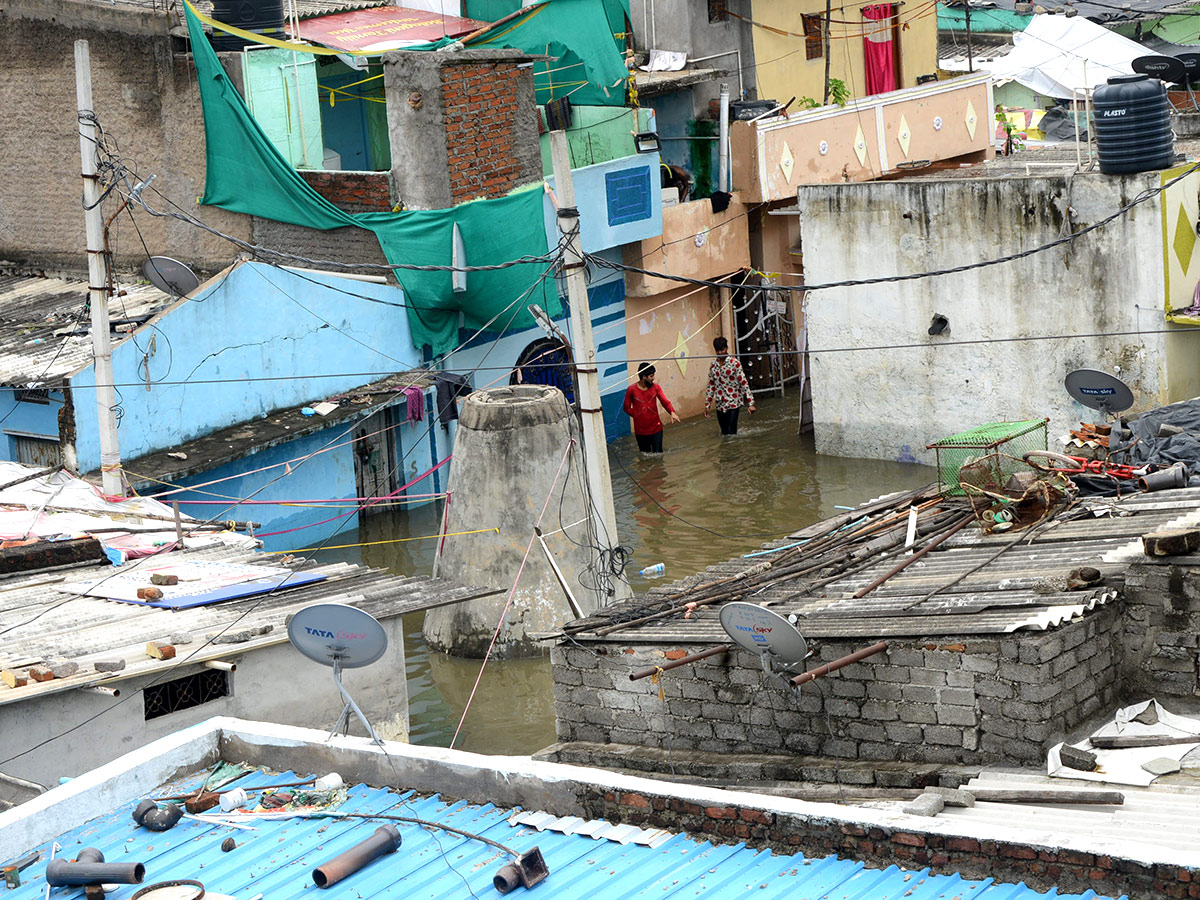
<point x="39" y="623"/>
<point x="1018" y="589"/>
<point x="277" y="859"/>
<point x="45" y="331"/>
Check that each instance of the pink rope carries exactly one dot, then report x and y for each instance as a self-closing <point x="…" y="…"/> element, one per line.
<point x="352" y="512"/>
<point x="512" y="593"/>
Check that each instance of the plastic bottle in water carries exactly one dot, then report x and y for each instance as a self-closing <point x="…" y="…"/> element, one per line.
<point x="656" y="569"/>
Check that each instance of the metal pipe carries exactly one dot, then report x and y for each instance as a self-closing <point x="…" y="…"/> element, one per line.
<point x="909" y="560"/>
<point x="735" y="53"/>
<point x="676" y="663"/>
<point x="89" y="867"/>
<point x="723" y="145"/>
<point x="836" y="664"/>
<point x="101" y="689"/>
<point x="220" y="665"/>
<point x="386" y="839"/>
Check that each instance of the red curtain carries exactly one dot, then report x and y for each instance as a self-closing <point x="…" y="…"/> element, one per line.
<point x="879" y="48"/>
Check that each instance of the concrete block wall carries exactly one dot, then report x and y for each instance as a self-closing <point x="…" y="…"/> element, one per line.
<point x="147" y="101"/>
<point x="1002" y="699"/>
<point x="1162" y="631"/>
<point x="353" y="192"/>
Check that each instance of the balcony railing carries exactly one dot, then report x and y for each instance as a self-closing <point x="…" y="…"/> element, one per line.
<point x="863" y="140"/>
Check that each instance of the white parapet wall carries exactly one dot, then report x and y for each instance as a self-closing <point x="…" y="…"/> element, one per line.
<point x="1015" y="329"/>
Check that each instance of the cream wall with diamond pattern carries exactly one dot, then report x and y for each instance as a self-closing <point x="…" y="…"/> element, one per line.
<point x="1181" y="275"/>
<point x="782" y="61"/>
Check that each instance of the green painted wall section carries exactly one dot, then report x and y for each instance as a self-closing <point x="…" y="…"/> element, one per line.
<point x="599" y="134"/>
<point x="283" y="98"/>
<point x="1181" y="29"/>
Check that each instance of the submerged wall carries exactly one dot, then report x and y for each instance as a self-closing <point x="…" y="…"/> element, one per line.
<point x="892" y="388"/>
<point x="1002" y="699"/>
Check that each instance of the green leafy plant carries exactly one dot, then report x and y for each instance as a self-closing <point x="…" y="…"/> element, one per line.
<point x="839" y="93"/>
<point x="1014" y="138"/>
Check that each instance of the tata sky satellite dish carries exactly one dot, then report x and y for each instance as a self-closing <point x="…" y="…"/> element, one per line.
<point x="1099" y="390"/>
<point x="1164" y="68"/>
<point x="170" y="276"/>
<point x="342" y="637"/>
<point x="764" y="632"/>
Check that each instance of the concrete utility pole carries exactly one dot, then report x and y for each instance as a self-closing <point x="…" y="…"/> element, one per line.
<point x="112" y="480"/>
<point x="595" y="444"/>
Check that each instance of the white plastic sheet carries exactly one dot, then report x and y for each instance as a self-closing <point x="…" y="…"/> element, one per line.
<point x="1125" y="766"/>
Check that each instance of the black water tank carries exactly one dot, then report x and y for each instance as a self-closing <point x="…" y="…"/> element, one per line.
<point x="261" y="16"/>
<point x="1133" y="125"/>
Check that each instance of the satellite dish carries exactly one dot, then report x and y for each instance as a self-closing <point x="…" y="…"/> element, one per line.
<point x="762" y="631"/>
<point x="1099" y="390"/>
<point x="1191" y="65"/>
<point x="1164" y="68"/>
<point x="170" y="276"/>
<point x="341" y="637"/>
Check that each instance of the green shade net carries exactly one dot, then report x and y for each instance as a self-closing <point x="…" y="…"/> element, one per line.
<point x="246" y="174"/>
<point x="581" y="34"/>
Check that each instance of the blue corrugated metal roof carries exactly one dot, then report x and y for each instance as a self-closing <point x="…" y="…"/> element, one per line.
<point x="277" y="860"/>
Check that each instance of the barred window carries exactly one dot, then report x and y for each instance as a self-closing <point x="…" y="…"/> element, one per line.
<point x="184" y="693"/>
<point x="813" y="38"/>
<point x="717" y="11"/>
<point x="32" y="395"/>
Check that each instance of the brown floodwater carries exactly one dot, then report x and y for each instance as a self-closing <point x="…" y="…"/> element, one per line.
<point x="705" y="499"/>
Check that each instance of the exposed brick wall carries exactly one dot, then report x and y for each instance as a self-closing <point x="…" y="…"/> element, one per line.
<point x="1003" y="699"/>
<point x="353" y="192"/>
<point x="1041" y="867"/>
<point x="1162" y="630"/>
<point x="482" y="115"/>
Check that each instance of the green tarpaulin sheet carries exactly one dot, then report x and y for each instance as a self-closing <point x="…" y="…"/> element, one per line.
<point x="246" y="174"/>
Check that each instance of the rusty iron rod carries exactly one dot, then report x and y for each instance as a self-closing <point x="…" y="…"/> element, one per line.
<point x="909" y="560"/>
<point x="833" y="665"/>
<point x="676" y="663"/>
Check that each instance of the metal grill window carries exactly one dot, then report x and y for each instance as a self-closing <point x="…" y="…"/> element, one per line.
<point x="813" y="37"/>
<point x="32" y="395"/>
<point x="184" y="693"/>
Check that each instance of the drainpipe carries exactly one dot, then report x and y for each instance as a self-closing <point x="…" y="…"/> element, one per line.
<point x="723" y="142"/>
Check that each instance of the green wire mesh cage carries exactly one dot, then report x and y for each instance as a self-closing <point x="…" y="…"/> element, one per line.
<point x="999" y="446"/>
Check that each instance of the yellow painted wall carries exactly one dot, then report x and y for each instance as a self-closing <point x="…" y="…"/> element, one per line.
<point x="783" y="70"/>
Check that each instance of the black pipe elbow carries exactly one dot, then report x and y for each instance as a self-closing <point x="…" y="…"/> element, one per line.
<point x="157" y="818"/>
<point x="386" y="839"/>
<point x="507" y="879"/>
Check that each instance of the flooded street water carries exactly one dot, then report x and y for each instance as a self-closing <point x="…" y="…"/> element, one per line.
<point x="705" y="499"/>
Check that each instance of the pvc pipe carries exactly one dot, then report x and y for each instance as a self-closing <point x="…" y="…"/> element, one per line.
<point x="89" y="867"/>
<point x="220" y="665"/>
<point x="723" y="145"/>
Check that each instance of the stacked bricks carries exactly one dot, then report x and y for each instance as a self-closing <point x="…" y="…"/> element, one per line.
<point x="480" y="101"/>
<point x="353" y="192"/>
<point x="1162" y="615"/>
<point x="1039" y="866"/>
<point x="970" y="701"/>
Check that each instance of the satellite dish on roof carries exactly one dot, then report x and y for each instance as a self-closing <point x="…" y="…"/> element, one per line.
<point x="170" y="276"/>
<point x="764" y="632"/>
<point x="342" y="637"/>
<point x="1099" y="390"/>
<point x="1191" y="65"/>
<point x="1164" y="68"/>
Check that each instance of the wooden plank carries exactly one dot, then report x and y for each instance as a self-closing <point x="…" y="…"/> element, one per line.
<point x="1048" y="795"/>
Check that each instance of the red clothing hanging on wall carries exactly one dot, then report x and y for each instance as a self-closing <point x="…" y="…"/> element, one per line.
<point x="879" y="48"/>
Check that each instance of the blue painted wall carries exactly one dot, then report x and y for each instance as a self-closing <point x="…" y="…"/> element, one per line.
<point x="608" y="196"/>
<point x="257" y="321"/>
<point x="38" y="419"/>
<point x="488" y="358"/>
<point x="672" y="112"/>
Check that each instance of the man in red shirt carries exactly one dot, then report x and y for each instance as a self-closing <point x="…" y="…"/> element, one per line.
<point x="641" y="402"/>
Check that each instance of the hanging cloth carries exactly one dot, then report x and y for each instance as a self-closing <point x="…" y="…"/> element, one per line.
<point x="449" y="388"/>
<point x="414" y="401"/>
<point x="244" y="173"/>
<point x="879" y="48"/>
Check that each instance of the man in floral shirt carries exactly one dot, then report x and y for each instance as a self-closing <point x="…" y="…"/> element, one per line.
<point x="727" y="388"/>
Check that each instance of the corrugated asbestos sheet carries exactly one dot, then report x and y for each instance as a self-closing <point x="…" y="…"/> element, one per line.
<point x="1158" y="816"/>
<point x="1006" y="594"/>
<point x="86" y="629"/>
<point x="45" y="328"/>
<point x="277" y="859"/>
